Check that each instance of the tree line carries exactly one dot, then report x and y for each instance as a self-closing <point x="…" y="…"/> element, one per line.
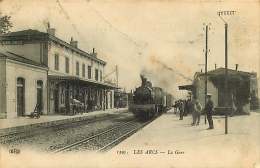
<point x="5" y="24"/>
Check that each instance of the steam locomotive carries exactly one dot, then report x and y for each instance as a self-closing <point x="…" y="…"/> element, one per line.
<point x="148" y="101"/>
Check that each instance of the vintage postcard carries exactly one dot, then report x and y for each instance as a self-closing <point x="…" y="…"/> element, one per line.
<point x="129" y="84"/>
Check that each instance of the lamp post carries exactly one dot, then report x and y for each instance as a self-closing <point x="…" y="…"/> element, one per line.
<point x="220" y="14"/>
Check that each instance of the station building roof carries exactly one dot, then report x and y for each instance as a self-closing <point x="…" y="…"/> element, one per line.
<point x="31" y="35"/>
<point x="219" y="74"/>
<point x="221" y="71"/>
<point x="19" y="58"/>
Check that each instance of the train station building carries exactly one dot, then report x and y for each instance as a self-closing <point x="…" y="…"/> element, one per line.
<point x="71" y="79"/>
<point x="22" y="85"/>
<point x="242" y="89"/>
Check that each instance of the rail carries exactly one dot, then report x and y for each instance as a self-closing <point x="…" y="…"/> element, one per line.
<point x="110" y="144"/>
<point x="78" y="143"/>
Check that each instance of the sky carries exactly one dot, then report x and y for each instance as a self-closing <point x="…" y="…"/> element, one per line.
<point x="162" y="39"/>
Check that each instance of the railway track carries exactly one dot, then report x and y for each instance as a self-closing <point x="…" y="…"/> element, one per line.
<point x="105" y="140"/>
<point x="15" y="136"/>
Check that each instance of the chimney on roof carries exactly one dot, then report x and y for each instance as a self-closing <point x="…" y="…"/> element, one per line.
<point x="50" y="30"/>
<point x="94" y="53"/>
<point x="73" y="43"/>
<point x="236" y="67"/>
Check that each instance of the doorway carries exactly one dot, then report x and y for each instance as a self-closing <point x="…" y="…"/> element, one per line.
<point x="40" y="96"/>
<point x="20" y="96"/>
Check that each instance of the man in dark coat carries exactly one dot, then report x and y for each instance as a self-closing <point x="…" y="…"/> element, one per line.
<point x="181" y="109"/>
<point x="186" y="107"/>
<point x="209" y="110"/>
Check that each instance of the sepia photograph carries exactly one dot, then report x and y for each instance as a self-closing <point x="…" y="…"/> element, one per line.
<point x="130" y="84"/>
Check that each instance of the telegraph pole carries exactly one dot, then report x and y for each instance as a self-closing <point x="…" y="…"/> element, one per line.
<point x="226" y="78"/>
<point x="206" y="70"/>
<point x="220" y="14"/>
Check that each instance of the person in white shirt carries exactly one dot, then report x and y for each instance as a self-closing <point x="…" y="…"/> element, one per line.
<point x="197" y="109"/>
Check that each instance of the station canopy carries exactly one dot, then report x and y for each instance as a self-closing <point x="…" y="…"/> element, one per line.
<point x="82" y="81"/>
<point x="186" y="87"/>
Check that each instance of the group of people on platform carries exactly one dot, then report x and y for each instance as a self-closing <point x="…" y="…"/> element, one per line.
<point x="193" y="107"/>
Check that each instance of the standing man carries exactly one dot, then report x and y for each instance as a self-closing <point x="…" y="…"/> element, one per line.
<point x="175" y="107"/>
<point x="193" y="111"/>
<point x="198" y="109"/>
<point x="185" y="107"/>
<point x="189" y="106"/>
<point x="209" y="110"/>
<point x="181" y="109"/>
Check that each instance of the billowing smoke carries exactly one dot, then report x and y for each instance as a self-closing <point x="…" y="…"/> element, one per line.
<point x="163" y="76"/>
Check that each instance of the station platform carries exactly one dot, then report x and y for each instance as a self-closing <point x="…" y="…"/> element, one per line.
<point x="170" y="142"/>
<point x="8" y="126"/>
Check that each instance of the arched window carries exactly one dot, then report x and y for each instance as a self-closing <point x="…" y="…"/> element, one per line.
<point x="39" y="84"/>
<point x="20" y="81"/>
<point x="20" y="96"/>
